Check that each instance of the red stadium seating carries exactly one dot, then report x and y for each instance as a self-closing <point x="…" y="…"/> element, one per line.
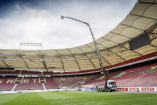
<point x="50" y="84"/>
<point x="29" y="83"/>
<point x="7" y="83"/>
<point x="149" y="79"/>
<point x="131" y="77"/>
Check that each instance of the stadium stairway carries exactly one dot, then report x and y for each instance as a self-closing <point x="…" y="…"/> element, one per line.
<point x="14" y="87"/>
<point x="43" y="86"/>
<point x="55" y="82"/>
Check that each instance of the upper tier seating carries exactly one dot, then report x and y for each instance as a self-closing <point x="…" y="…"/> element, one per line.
<point x="10" y="72"/>
<point x="31" y="72"/>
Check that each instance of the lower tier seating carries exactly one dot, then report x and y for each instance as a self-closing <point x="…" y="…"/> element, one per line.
<point x="50" y="84"/>
<point x="137" y="76"/>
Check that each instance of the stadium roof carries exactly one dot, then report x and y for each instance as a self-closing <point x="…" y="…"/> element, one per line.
<point x="114" y="47"/>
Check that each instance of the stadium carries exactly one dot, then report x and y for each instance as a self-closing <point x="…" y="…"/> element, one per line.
<point x="128" y="54"/>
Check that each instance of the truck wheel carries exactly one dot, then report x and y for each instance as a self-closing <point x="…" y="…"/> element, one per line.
<point x="109" y="90"/>
<point x="106" y="90"/>
<point x="97" y="90"/>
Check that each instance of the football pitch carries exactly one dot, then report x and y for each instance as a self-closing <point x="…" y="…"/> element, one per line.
<point x="78" y="98"/>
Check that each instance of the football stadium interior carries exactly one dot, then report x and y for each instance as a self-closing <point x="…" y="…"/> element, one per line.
<point x="132" y="66"/>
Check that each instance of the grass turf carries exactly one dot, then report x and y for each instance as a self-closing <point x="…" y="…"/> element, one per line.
<point x="78" y="98"/>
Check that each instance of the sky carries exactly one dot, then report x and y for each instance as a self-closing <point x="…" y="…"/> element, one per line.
<point x="39" y="21"/>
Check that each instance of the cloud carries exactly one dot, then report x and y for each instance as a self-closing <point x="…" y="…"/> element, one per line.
<point x="38" y="21"/>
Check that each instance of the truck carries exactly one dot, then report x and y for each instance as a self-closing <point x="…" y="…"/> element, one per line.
<point x="108" y="86"/>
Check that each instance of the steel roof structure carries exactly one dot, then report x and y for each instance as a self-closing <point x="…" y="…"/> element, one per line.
<point x="114" y="47"/>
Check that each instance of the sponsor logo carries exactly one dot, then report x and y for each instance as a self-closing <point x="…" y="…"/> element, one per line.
<point x="132" y="89"/>
<point x="148" y="89"/>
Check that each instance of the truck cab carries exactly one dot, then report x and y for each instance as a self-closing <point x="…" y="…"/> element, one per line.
<point x="109" y="86"/>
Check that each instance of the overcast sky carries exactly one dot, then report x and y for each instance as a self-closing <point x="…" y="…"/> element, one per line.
<point x="40" y="21"/>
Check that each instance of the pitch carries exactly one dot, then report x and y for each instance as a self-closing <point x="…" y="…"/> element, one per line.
<point x="78" y="98"/>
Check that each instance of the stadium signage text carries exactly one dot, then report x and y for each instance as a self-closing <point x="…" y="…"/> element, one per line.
<point x="148" y="89"/>
<point x="132" y="89"/>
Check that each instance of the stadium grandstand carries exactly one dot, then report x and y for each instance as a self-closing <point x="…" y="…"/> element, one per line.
<point x="78" y="67"/>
